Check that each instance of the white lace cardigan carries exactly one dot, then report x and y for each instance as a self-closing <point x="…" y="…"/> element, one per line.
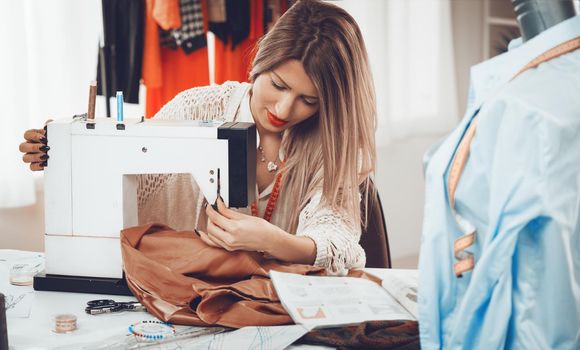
<point x="175" y="200"/>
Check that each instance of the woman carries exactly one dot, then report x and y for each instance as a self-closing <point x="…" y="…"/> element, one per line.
<point x="312" y="100"/>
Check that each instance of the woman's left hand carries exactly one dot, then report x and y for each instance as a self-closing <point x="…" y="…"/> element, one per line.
<point x="232" y="230"/>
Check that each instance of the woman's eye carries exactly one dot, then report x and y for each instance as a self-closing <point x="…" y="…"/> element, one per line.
<point x="278" y="87"/>
<point x="309" y="102"/>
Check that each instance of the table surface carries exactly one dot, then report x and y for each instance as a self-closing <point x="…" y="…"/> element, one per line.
<point x="36" y="331"/>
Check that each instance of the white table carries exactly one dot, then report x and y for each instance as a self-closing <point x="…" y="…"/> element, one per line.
<point x="36" y="331"/>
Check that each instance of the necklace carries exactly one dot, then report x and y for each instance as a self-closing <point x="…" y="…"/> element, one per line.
<point x="271" y="165"/>
<point x="271" y="201"/>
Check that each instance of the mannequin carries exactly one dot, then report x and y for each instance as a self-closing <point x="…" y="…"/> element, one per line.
<point x="535" y="16"/>
<point x="515" y="190"/>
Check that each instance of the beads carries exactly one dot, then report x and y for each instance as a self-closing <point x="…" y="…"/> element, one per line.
<point x="152" y="330"/>
<point x="272" y="200"/>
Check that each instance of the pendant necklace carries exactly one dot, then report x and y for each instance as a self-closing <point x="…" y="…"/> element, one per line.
<point x="270" y="165"/>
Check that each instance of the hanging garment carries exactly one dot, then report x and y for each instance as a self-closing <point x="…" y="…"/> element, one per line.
<point x="519" y="193"/>
<point x="180" y="279"/>
<point x="216" y="11"/>
<point x="166" y="14"/>
<point x="272" y="12"/>
<point x="190" y="35"/>
<point x="233" y="58"/>
<point x="236" y="24"/>
<point x="167" y="72"/>
<point x="123" y="22"/>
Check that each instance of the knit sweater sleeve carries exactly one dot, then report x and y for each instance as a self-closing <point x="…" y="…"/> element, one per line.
<point x="335" y="234"/>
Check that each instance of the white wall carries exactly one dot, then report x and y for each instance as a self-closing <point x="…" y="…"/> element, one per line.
<point x="23" y="228"/>
<point x="399" y="174"/>
<point x="401" y="187"/>
<point x="400" y="168"/>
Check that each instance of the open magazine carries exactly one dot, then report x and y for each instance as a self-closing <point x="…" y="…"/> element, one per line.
<point x="323" y="301"/>
<point x="402" y="285"/>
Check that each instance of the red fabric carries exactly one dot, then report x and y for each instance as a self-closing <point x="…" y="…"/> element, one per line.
<point x="283" y="6"/>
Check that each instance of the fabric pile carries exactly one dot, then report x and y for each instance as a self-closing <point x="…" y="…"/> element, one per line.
<point x="180" y="279"/>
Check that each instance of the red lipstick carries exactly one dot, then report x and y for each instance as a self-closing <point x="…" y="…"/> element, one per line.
<point x="277" y="122"/>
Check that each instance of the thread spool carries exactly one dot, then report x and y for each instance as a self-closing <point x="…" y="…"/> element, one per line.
<point x="22" y="274"/>
<point x="65" y="323"/>
<point x="92" y="101"/>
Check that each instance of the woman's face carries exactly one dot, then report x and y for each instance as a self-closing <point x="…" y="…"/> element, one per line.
<point x="283" y="97"/>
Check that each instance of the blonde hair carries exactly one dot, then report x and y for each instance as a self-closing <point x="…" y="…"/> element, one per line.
<point x="336" y="147"/>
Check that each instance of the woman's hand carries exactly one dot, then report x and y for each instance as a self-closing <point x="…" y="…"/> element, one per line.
<point x="232" y="230"/>
<point x="35" y="148"/>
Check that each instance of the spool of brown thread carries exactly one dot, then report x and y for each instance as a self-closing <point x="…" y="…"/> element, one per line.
<point x="92" y="101"/>
<point x="65" y="323"/>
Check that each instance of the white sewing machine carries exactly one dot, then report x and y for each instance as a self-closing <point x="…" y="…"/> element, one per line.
<point x="90" y="187"/>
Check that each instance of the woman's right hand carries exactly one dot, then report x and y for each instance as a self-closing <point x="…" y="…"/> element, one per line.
<point x="35" y="149"/>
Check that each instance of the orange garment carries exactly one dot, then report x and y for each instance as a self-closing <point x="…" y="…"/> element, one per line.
<point x="236" y="64"/>
<point x="166" y="72"/>
<point x="180" y="279"/>
<point x="166" y="14"/>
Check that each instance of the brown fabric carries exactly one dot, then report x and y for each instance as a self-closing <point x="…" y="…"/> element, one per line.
<point x="180" y="279"/>
<point x="401" y="335"/>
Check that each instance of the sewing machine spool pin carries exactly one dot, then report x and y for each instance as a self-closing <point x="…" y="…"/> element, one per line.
<point x="92" y="104"/>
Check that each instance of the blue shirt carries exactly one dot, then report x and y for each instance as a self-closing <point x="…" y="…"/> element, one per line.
<point x="521" y="190"/>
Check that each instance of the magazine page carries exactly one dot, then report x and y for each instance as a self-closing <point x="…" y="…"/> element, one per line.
<point x="402" y="285"/>
<point x="323" y="301"/>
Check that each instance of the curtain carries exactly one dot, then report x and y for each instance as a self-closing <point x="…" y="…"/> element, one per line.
<point x="48" y="59"/>
<point x="411" y="55"/>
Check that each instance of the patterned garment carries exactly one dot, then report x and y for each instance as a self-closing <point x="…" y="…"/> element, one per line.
<point x="191" y="35"/>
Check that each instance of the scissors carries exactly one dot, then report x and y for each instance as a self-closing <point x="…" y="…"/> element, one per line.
<point x="102" y="306"/>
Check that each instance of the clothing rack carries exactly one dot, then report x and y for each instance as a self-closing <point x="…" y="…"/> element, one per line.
<point x="104" y="55"/>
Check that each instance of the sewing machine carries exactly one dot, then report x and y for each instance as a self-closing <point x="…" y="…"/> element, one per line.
<point x="90" y="187"/>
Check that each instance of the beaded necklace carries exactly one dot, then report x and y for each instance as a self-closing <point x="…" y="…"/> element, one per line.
<point x="152" y="330"/>
<point x="273" y="198"/>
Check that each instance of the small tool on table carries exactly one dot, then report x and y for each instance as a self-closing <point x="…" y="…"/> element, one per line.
<point x="102" y="306"/>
